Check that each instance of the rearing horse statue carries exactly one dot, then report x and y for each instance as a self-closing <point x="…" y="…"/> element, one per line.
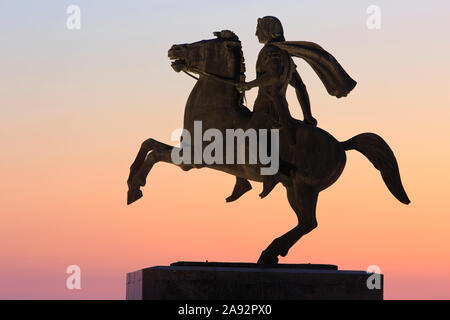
<point x="318" y="158"/>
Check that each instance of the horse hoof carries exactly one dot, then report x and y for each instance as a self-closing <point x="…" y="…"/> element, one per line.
<point x="133" y="195"/>
<point x="267" y="260"/>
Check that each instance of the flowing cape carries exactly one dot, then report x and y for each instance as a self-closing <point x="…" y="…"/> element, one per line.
<point x="335" y="79"/>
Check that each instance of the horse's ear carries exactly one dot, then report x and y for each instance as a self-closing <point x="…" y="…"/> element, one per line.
<point x="229" y="35"/>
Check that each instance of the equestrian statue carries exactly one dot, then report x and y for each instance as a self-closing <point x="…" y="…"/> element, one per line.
<point x="310" y="159"/>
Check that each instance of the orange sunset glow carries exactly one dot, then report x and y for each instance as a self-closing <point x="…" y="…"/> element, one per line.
<point x="76" y="105"/>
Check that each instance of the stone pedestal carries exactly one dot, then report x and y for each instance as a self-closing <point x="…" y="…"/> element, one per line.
<point x="237" y="281"/>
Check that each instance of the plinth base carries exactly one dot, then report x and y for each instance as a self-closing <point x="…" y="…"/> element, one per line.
<point x="248" y="281"/>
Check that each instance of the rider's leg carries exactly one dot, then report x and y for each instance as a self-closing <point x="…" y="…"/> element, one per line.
<point x="242" y="186"/>
<point x="271" y="181"/>
<point x="261" y="120"/>
<point x="284" y="118"/>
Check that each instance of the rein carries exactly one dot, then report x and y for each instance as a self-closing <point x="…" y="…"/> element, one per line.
<point x="190" y="75"/>
<point x="218" y="78"/>
<point x="210" y="75"/>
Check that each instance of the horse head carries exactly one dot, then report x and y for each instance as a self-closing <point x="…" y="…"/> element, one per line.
<point x="221" y="56"/>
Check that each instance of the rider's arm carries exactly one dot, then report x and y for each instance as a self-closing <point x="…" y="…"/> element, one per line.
<point x="263" y="80"/>
<point x="303" y="98"/>
<point x="272" y="70"/>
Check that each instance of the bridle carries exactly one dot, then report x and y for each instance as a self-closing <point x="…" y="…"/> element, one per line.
<point x="210" y="75"/>
<point x="217" y="78"/>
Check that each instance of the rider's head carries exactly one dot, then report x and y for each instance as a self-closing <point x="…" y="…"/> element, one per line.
<point x="269" y="29"/>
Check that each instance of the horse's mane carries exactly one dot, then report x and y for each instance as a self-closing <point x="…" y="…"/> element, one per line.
<point x="228" y="35"/>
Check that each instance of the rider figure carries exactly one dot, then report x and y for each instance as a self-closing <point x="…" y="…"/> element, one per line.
<point x="275" y="69"/>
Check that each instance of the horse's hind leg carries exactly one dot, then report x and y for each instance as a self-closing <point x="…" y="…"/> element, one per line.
<point x="146" y="146"/>
<point x="303" y="200"/>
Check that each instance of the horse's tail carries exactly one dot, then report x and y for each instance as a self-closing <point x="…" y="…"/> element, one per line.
<point x="380" y="154"/>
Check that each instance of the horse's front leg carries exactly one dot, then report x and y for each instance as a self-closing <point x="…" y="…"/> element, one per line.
<point x="139" y="179"/>
<point x="146" y="146"/>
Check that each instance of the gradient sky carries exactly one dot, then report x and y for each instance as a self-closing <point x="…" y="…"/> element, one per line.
<point x="75" y="106"/>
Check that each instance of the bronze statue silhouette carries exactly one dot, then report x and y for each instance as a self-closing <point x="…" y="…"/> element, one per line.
<point x="311" y="159"/>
